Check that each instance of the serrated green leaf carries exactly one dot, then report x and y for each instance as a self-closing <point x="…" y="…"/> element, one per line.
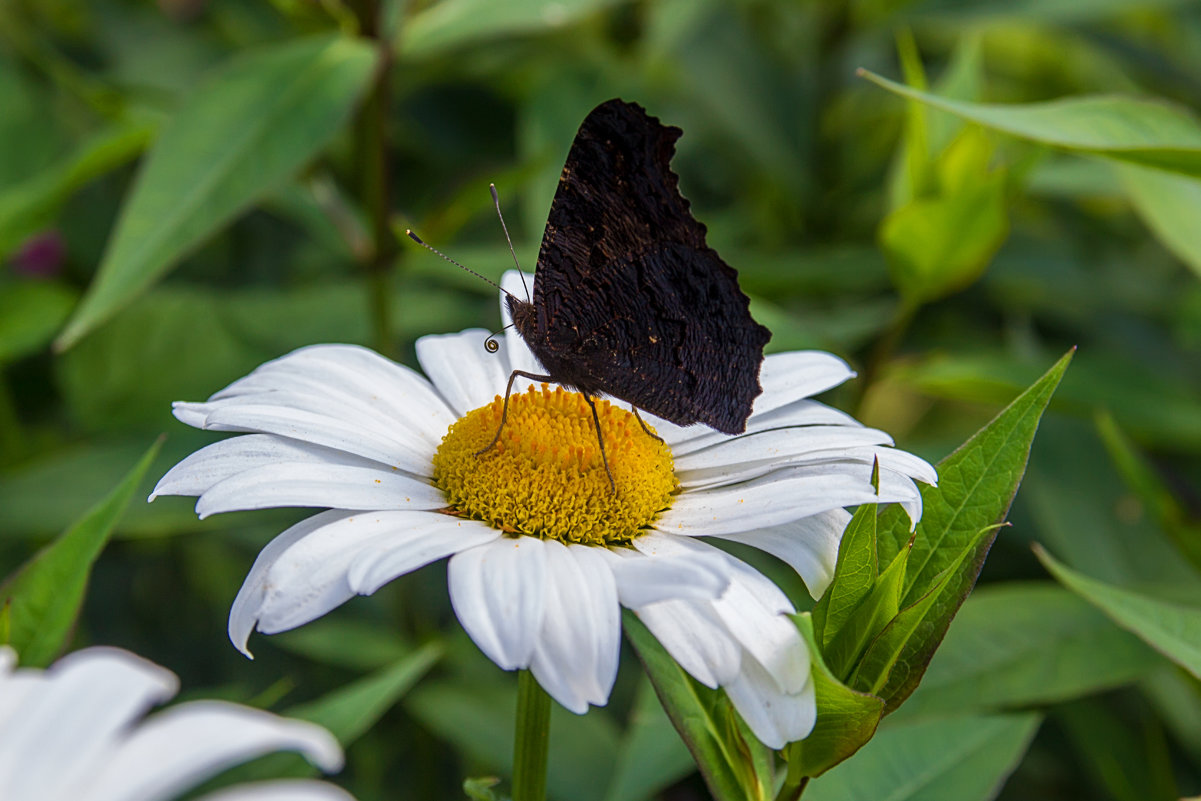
<point x="846" y="719"/>
<point x="235" y="140"/>
<point x="868" y="619"/>
<point x="896" y="659"/>
<point x="1145" y="132"/>
<point x="45" y="594"/>
<point x="1170" y="628"/>
<point x="952" y="759"/>
<point x="976" y="485"/>
<point x="1022" y="644"/>
<point x="734" y="767"/>
<point x="855" y="573"/>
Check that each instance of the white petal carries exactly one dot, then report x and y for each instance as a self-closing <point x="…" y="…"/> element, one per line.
<point x="658" y="544"/>
<point x="798" y="374"/>
<point x="801" y="412"/>
<point x="224" y="459"/>
<point x="311" y="577"/>
<point x="359" y="375"/>
<point x="71" y="717"/>
<point x="575" y="658"/>
<point x="178" y="747"/>
<point x="643" y="580"/>
<point x="808" y="545"/>
<point x="462" y="370"/>
<point x="696" y="638"/>
<point x="498" y="592"/>
<point x="394" y="446"/>
<point x="411" y="545"/>
<point x="244" y="613"/>
<point x="775" y="718"/>
<point x="768" y="636"/>
<point x="285" y="790"/>
<point x="783" y="496"/>
<point x="319" y="485"/>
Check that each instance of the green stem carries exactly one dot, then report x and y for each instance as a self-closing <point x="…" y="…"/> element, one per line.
<point x="532" y="741"/>
<point x="794" y="783"/>
<point x="371" y="142"/>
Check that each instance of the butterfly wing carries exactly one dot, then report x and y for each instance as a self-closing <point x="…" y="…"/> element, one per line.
<point x="630" y="301"/>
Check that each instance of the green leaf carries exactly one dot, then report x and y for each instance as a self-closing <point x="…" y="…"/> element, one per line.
<point x="1172" y="629"/>
<point x="953" y="759"/>
<point x="734" y="764"/>
<point x="1150" y="133"/>
<point x="846" y="719"/>
<point x="454" y="23"/>
<point x="357" y="645"/>
<point x="976" y="485"/>
<point x="1169" y="204"/>
<point x="651" y="757"/>
<point x="30" y="313"/>
<point x="234" y="141"/>
<point x="855" y="574"/>
<point x="1131" y="762"/>
<point x="44" y="596"/>
<point x="879" y="607"/>
<point x="30" y="205"/>
<point x="1024" y="644"/>
<point x="894" y="663"/>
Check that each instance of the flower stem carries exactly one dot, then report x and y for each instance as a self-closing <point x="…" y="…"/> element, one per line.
<point x="532" y="741"/>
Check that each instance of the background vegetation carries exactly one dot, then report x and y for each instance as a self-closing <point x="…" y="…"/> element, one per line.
<point x="191" y="187"/>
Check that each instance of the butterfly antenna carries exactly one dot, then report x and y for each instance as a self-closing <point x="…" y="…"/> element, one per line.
<point x="419" y="241"/>
<point x="490" y="344"/>
<point x="496" y="202"/>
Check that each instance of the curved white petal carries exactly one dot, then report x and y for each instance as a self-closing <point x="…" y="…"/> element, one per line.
<point x="357" y="375"/>
<point x="390" y="445"/>
<point x="808" y="545"/>
<point x="286" y="790"/>
<point x="774" y="717"/>
<point x="71" y="717"/>
<point x="244" y="613"/>
<point x="782" y="496"/>
<point x="643" y="580"/>
<point x="412" y="544"/>
<point x="766" y="634"/>
<point x="696" y="638"/>
<point x="319" y="485"/>
<point x="575" y="658"/>
<point x="462" y="370"/>
<point x="498" y="592"/>
<point x="178" y="747"/>
<point x="228" y="457"/>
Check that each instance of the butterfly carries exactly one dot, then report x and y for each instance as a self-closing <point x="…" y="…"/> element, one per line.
<point x="628" y="300"/>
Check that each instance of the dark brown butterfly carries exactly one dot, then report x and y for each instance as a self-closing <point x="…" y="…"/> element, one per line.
<point x="629" y="301"/>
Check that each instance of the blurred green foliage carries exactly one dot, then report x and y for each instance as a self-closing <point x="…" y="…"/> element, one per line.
<point x="222" y="181"/>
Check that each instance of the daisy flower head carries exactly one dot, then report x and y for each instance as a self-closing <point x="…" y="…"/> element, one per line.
<point x="542" y="552"/>
<point x="75" y="732"/>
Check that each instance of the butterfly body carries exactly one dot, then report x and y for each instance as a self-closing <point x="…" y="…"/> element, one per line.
<point x="628" y="299"/>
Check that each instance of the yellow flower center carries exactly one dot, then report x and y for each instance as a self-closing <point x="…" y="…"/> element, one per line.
<point x="545" y="476"/>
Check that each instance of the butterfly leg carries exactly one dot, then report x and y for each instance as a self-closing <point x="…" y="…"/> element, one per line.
<point x="600" y="441"/>
<point x="504" y="414"/>
<point x="645" y="427"/>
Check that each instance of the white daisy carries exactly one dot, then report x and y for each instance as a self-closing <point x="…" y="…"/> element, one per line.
<point x="74" y="733"/>
<point x="542" y="553"/>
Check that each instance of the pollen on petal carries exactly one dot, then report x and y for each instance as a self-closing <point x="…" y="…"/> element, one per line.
<point x="545" y="476"/>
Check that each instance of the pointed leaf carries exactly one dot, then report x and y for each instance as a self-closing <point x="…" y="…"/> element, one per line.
<point x="868" y="620"/>
<point x="855" y="574"/>
<point x="846" y="719"/>
<point x="1170" y="628"/>
<point x="976" y="485"/>
<point x="955" y="759"/>
<point x="45" y="594"/>
<point x="235" y="140"/>
<point x="1146" y="132"/>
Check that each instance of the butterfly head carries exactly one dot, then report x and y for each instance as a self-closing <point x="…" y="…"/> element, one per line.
<point x="524" y="317"/>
